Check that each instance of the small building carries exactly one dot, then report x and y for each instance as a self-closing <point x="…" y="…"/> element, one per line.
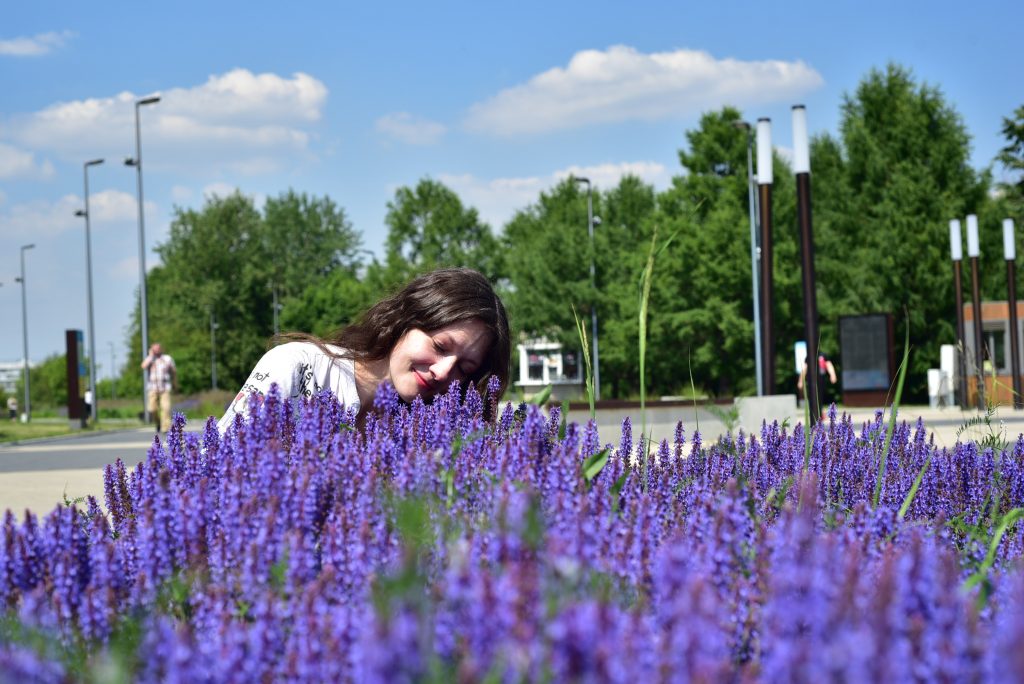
<point x="995" y="334"/>
<point x="10" y="373"/>
<point x="543" y="363"/>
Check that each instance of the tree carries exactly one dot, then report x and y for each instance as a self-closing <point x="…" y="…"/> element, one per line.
<point x="48" y="382"/>
<point x="220" y="263"/>
<point x="428" y="228"/>
<point x="706" y="283"/>
<point x="904" y="173"/>
<point x="306" y="239"/>
<point x="548" y="263"/>
<point x="1012" y="155"/>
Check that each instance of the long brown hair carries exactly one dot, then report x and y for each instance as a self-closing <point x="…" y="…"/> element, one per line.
<point x="429" y="302"/>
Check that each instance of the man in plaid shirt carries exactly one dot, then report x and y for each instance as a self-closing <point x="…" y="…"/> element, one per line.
<point x="162" y="380"/>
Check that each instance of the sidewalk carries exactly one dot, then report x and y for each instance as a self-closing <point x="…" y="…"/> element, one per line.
<point x="40" y="487"/>
<point x="943" y="423"/>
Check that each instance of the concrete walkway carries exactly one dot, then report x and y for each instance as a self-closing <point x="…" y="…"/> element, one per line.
<point x="944" y="423"/>
<point x="41" y="474"/>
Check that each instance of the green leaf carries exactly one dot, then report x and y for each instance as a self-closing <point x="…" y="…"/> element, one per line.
<point x="593" y="465"/>
<point x="563" y="423"/>
<point x="541" y="398"/>
<point x="981" y="576"/>
<point x="616" y="488"/>
<point x="892" y="418"/>
<point x="914" y="487"/>
<point x="581" y="330"/>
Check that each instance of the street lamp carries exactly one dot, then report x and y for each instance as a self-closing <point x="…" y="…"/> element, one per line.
<point x="755" y="252"/>
<point x="802" y="169"/>
<point x="956" y="251"/>
<point x="143" y="314"/>
<point x="94" y="409"/>
<point x="277" y="310"/>
<point x="113" y="371"/>
<point x="591" y="220"/>
<point x="213" y="349"/>
<point x="765" y="178"/>
<point x="24" y="328"/>
<point x="1010" y="252"/>
<point x="973" y="252"/>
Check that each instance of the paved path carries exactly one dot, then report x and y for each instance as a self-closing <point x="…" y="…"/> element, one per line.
<point x="39" y="475"/>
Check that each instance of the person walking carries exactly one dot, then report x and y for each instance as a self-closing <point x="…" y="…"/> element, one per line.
<point x="161" y="380"/>
<point x="826" y="371"/>
<point x="12" y="407"/>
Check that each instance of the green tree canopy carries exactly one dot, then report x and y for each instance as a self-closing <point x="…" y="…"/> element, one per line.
<point x="220" y="265"/>
<point x="902" y="173"/>
<point x="429" y="227"/>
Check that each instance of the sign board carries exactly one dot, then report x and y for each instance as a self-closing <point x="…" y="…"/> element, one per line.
<point x="866" y="349"/>
<point x="76" y="375"/>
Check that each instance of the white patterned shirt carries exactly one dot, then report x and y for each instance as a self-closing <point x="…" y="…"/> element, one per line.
<point x="301" y="370"/>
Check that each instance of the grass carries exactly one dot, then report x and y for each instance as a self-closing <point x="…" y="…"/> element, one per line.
<point x="117" y="414"/>
<point x="38" y="429"/>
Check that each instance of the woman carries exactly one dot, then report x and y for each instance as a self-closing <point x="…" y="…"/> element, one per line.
<point x="445" y="326"/>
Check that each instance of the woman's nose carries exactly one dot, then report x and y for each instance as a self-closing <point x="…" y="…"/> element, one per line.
<point x="442" y="370"/>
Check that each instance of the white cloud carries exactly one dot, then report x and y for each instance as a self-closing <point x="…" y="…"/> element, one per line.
<point x="43" y="218"/>
<point x="47" y="219"/>
<point x="410" y="129"/>
<point x="245" y="122"/>
<point x="219" y="190"/>
<point x="498" y="199"/>
<point x="784" y="152"/>
<point x="114" y="205"/>
<point x="16" y="163"/>
<point x="34" y="46"/>
<point x="622" y="84"/>
<point x="607" y="176"/>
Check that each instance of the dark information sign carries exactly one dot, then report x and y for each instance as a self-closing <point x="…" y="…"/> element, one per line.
<point x="865" y="344"/>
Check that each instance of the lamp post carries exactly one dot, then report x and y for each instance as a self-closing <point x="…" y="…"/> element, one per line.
<point x="143" y="315"/>
<point x="755" y="253"/>
<point x="973" y="252"/>
<point x="765" y="178"/>
<point x="24" y="330"/>
<point x="94" y="409"/>
<point x="277" y="311"/>
<point x="956" y="252"/>
<point x="593" y="286"/>
<point x="113" y="371"/>
<point x="802" y="169"/>
<point x="213" y="350"/>
<point x="1010" y="252"/>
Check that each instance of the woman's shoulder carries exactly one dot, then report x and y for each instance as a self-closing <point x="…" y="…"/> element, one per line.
<point x="308" y="353"/>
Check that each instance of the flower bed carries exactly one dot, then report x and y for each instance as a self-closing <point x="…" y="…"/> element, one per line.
<point x="434" y="545"/>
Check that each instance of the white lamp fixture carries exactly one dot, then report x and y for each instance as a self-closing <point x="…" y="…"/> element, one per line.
<point x="1009" y="245"/>
<point x="801" y="147"/>
<point x="764" y="152"/>
<point x="956" y="247"/>
<point x="972" y="236"/>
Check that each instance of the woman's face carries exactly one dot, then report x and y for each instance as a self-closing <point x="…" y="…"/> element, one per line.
<point x="426" y="363"/>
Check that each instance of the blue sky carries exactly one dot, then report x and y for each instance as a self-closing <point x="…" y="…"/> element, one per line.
<point x="353" y="100"/>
